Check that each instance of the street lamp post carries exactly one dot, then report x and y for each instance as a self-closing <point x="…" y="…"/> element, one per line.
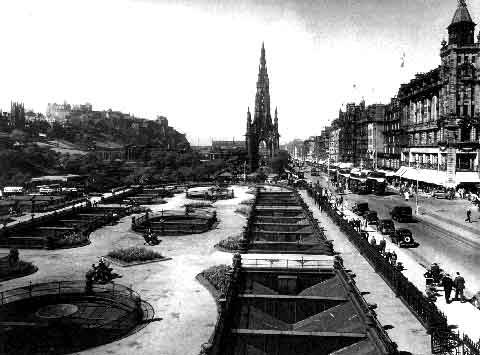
<point x="416" y="194"/>
<point x="328" y="170"/>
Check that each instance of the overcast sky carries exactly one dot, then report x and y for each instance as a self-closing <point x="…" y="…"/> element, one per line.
<point x="196" y="61"/>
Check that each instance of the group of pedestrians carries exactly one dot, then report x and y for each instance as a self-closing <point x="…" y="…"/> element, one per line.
<point x="458" y="284"/>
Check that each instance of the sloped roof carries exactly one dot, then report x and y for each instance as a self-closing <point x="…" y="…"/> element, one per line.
<point x="461" y="14"/>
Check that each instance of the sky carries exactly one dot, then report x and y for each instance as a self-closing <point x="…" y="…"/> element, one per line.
<point x="196" y="61"/>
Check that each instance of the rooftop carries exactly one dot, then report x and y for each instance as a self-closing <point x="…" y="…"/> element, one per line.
<point x="461" y="14"/>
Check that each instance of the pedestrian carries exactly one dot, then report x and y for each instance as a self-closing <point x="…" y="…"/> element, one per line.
<point x="469" y="214"/>
<point x="393" y="258"/>
<point x="459" y="284"/>
<point x="407" y="195"/>
<point x="447" y="284"/>
<point x="382" y="245"/>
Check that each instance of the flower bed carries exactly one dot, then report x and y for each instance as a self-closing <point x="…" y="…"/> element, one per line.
<point x="230" y="243"/>
<point x="217" y="277"/>
<point x="71" y="239"/>
<point x="243" y="210"/>
<point x="135" y="254"/>
<point x="198" y="204"/>
<point x="248" y="202"/>
<point x="23" y="268"/>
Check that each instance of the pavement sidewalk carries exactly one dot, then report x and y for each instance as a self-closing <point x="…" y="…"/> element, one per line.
<point x="407" y="331"/>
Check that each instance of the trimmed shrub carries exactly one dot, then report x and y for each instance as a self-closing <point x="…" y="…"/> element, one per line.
<point x="134" y="254"/>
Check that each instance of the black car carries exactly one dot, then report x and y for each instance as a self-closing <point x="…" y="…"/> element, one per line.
<point x="371" y="217"/>
<point x="386" y="226"/>
<point x="401" y="213"/>
<point x="360" y="208"/>
<point x="403" y="238"/>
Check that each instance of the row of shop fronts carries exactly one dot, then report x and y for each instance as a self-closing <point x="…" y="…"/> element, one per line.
<point x="357" y="179"/>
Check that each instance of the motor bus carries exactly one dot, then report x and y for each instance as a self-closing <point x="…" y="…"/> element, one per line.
<point x="357" y="183"/>
<point x="376" y="183"/>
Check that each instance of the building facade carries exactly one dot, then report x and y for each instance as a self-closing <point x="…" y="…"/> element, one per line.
<point x="393" y="138"/>
<point x="441" y="109"/>
<point x="334" y="143"/>
<point x="375" y="137"/>
<point x="346" y="122"/>
<point x="262" y="138"/>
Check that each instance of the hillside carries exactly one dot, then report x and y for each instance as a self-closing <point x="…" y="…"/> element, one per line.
<point x="41" y="149"/>
<point x="86" y="133"/>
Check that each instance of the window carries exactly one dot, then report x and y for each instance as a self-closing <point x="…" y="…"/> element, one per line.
<point x="473" y="59"/>
<point x="465" y="110"/>
<point x="459" y="59"/>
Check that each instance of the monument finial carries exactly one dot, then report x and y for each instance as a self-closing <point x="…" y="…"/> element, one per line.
<point x="462" y="3"/>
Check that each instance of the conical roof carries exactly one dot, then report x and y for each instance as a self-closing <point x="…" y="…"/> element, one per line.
<point x="461" y="14"/>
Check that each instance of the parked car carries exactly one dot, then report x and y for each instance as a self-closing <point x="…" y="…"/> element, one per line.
<point x="371" y="217"/>
<point x="386" y="226"/>
<point x="403" y="238"/>
<point x="360" y="208"/>
<point x="401" y="213"/>
<point x="440" y="194"/>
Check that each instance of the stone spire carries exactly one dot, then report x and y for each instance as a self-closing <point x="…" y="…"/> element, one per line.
<point x="262" y="98"/>
<point x="263" y="61"/>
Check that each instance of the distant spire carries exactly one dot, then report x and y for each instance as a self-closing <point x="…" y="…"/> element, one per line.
<point x="263" y="61"/>
<point x="462" y="3"/>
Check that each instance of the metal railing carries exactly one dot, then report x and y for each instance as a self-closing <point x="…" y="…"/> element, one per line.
<point x="288" y="263"/>
<point x="111" y="290"/>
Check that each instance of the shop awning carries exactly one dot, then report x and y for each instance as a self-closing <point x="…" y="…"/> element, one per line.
<point x="401" y="171"/>
<point x="345" y="166"/>
<point x="344" y="175"/>
<point x="387" y="172"/>
<point x="467" y="177"/>
<point x="425" y="175"/>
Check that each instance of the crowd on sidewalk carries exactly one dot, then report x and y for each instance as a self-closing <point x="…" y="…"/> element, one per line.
<point x="408" y="188"/>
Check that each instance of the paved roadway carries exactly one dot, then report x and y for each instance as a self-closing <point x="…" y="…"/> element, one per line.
<point x="452" y="251"/>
